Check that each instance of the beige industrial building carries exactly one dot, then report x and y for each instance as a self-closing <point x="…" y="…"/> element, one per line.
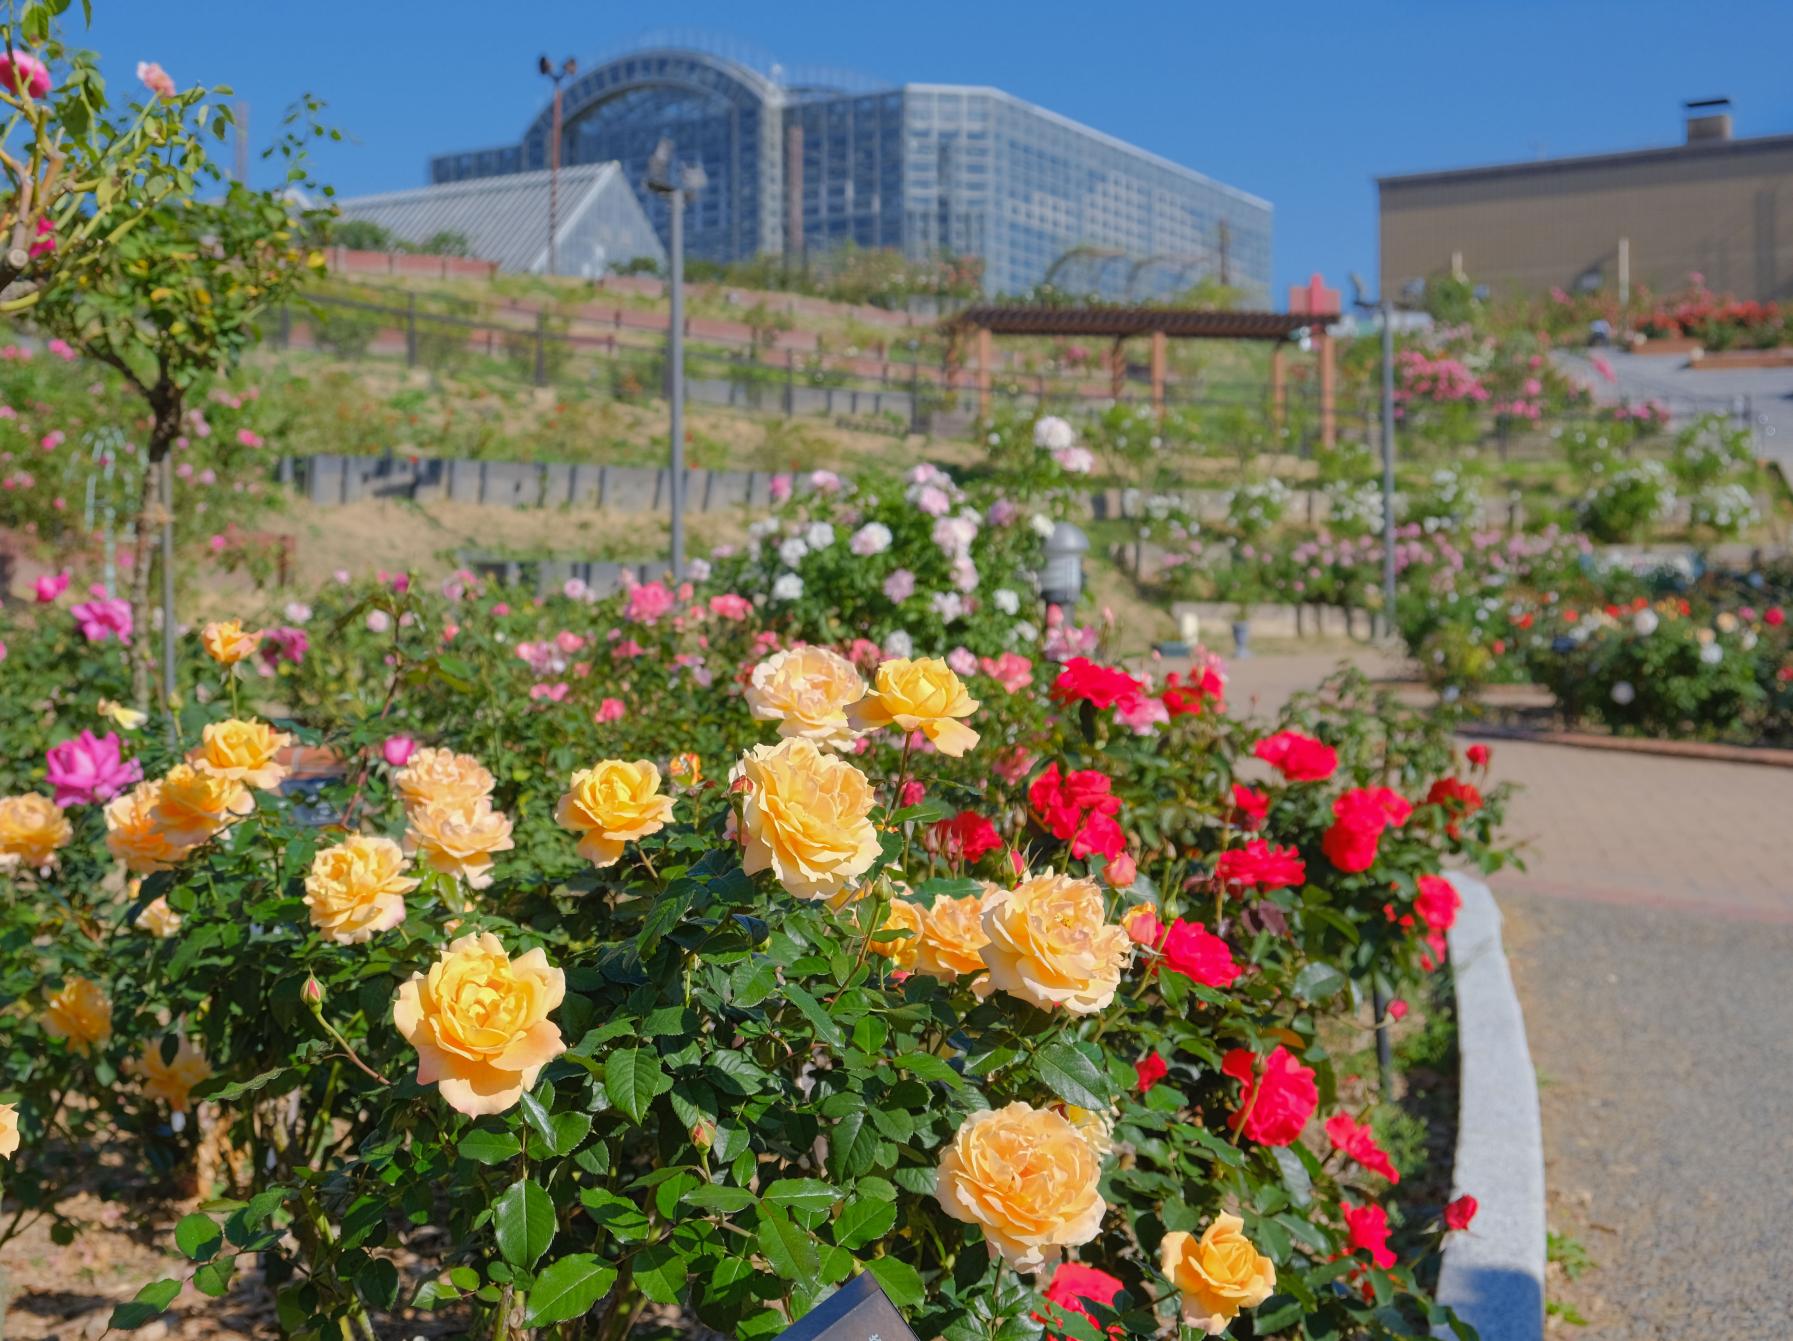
<point x="1716" y="205"/>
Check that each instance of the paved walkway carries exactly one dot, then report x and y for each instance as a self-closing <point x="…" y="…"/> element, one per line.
<point x="1651" y="937"/>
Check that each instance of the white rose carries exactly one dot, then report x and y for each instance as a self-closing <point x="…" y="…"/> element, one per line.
<point x="1042" y="525"/>
<point x="1006" y="601"/>
<point x="699" y="569"/>
<point x="1711" y="654"/>
<point x="900" y="645"/>
<point x="1645" y="622"/>
<point x="788" y="587"/>
<point x="791" y="552"/>
<point x="949" y="605"/>
<point x="1052" y="434"/>
<point x="1623" y="693"/>
<point x="820" y="535"/>
<point x="872" y="538"/>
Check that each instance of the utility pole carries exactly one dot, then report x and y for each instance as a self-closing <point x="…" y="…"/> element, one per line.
<point x="1388" y="467"/>
<point x="566" y="69"/>
<point x="676" y="182"/>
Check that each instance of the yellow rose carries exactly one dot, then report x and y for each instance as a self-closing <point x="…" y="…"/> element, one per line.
<point x="953" y="937"/>
<point x="442" y="778"/>
<point x="479" y="1022"/>
<point x="1028" y="1178"/>
<point x="80" y="1013"/>
<point x="1217" y="1274"/>
<point x="460" y="841"/>
<point x="357" y="889"/>
<point x="228" y="642"/>
<point x="923" y="696"/>
<point x="1049" y="945"/>
<point x="686" y="768"/>
<point x="807" y="691"/>
<point x="134" y="836"/>
<point x="194" y="805"/>
<point x="611" y="804"/>
<point x="243" y="751"/>
<point x="9" y="1130"/>
<point x="171" y="1082"/>
<point x="32" y="827"/>
<point x="902" y="915"/>
<point x="804" y="817"/>
<point x="128" y="719"/>
<point x="1093" y="1126"/>
<point x="158" y="919"/>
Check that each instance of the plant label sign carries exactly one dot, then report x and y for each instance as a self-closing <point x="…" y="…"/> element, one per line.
<point x="858" y="1311"/>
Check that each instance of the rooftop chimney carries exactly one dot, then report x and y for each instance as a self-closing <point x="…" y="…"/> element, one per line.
<point x="1708" y="119"/>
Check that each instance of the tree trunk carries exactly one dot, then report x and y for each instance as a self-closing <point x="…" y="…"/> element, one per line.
<point x="166" y="405"/>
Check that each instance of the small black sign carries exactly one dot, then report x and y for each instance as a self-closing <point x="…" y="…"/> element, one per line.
<point x="858" y="1311"/>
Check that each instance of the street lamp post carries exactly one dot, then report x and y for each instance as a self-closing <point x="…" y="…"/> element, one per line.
<point x="676" y="182"/>
<point x="567" y="67"/>
<point x="1384" y="308"/>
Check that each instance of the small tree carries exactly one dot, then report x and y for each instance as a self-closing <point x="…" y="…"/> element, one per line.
<point x="176" y="298"/>
<point x="75" y="177"/>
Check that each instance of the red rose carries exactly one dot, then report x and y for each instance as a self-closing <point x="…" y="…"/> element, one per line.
<point x="1273" y="1106"/>
<point x="1359" y="1143"/>
<point x="1459" y="798"/>
<point x="1082" y="680"/>
<point x="1151" y="1069"/>
<point x="1074" y="1286"/>
<point x="1100" y="834"/>
<point x="1061" y="801"/>
<point x="1250" y="806"/>
<point x="1478" y="755"/>
<point x="1193" y="951"/>
<point x="1397" y="1009"/>
<point x="1258" y="865"/>
<point x="966" y="836"/>
<point x="1361" y="815"/>
<point x="1774" y="617"/>
<point x="1460" y="1212"/>
<point x="1367" y="1230"/>
<point x="1437" y="902"/>
<point x="1297" y="757"/>
<point x="1191" y="696"/>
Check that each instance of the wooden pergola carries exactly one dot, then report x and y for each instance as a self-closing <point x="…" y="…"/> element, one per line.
<point x="1162" y="325"/>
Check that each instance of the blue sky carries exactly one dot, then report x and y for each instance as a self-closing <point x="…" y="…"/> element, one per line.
<point x="1301" y="103"/>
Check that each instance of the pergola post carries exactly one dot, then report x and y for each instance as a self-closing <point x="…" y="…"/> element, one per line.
<point x="1328" y="388"/>
<point x="983" y="372"/>
<point x="1117" y="368"/>
<point x="1279" y="384"/>
<point x="1160" y="356"/>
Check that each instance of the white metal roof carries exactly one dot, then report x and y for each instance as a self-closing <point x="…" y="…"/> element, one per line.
<point x="505" y="218"/>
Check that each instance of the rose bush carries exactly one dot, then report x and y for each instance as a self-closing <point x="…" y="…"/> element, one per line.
<point x="448" y="995"/>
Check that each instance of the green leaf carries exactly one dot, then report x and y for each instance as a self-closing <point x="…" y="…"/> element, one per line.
<point x="622" y="1217"/>
<point x="146" y="1306"/>
<point x="900" y="1280"/>
<point x="377" y="1280"/>
<point x="928" y="1067"/>
<point x="723" y="1200"/>
<point x="851" y="1146"/>
<point x="1317" y="982"/>
<point x="949" y="887"/>
<point x="198" y="1236"/>
<point x="826" y="1029"/>
<point x="632" y="1077"/>
<point x="214" y="1278"/>
<point x="787" y="1246"/>
<point x="1072" y="1076"/>
<point x="225" y="1090"/>
<point x="568" y="1289"/>
<point x="803" y="1194"/>
<point x="862" y="1221"/>
<point x="489" y="1147"/>
<point x="930" y="811"/>
<point x="661" y="1272"/>
<point x="524" y="1217"/>
<point x="752" y="982"/>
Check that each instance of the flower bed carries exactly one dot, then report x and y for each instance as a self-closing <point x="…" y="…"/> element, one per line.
<point x="743" y="959"/>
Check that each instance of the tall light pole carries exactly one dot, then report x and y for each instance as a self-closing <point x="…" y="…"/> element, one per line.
<point x="676" y="182"/>
<point x="1384" y="308"/>
<point x="568" y="67"/>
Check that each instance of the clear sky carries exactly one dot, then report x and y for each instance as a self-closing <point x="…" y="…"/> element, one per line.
<point x="1301" y="103"/>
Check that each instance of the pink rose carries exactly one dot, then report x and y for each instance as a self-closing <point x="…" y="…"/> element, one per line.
<point x="24" y="73"/>
<point x="90" y="768"/>
<point x="154" y="78"/>
<point x="397" y="750"/>
<point x="102" y="618"/>
<point x="610" y="710"/>
<point x="50" y="586"/>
